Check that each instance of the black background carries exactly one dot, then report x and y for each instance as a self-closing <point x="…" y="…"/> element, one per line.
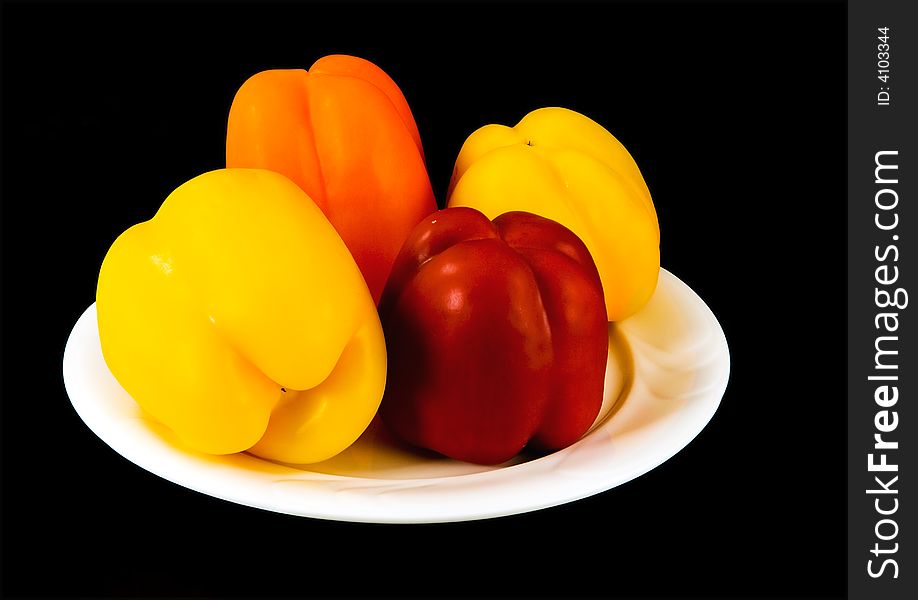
<point x="735" y="114"/>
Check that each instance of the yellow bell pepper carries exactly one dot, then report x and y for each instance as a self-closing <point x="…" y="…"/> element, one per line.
<point x="238" y="318"/>
<point x="564" y="166"/>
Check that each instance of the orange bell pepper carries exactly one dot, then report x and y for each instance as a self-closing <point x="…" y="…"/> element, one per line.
<point x="344" y="133"/>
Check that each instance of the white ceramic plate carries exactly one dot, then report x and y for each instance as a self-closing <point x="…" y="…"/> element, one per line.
<point x="680" y="369"/>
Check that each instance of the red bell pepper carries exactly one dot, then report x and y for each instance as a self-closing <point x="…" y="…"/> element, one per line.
<point x="497" y="336"/>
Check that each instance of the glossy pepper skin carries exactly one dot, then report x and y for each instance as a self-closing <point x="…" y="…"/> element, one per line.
<point x="497" y="336"/>
<point x="564" y="166"/>
<point x="237" y="318"/>
<point x="344" y="133"/>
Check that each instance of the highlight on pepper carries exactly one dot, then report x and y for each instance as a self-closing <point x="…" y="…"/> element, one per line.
<point x="237" y="318"/>
<point x="562" y="165"/>
<point x="345" y="134"/>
